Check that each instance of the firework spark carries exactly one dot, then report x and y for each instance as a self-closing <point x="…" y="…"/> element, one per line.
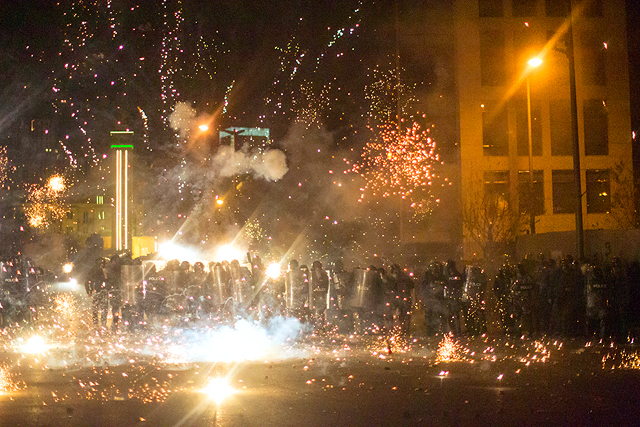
<point x="45" y="203"/>
<point x="65" y="305"/>
<point x="400" y="164"/>
<point x="449" y="350"/>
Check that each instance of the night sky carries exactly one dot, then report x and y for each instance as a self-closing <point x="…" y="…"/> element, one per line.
<point x="307" y="70"/>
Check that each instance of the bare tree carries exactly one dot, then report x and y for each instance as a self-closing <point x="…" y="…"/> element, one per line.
<point x="624" y="198"/>
<point x="492" y="223"/>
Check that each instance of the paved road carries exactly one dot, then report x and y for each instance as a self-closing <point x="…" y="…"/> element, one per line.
<point x="334" y="380"/>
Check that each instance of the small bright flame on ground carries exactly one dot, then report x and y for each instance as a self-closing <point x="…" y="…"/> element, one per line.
<point x="273" y="270"/>
<point x="34" y="345"/>
<point x="448" y="350"/>
<point x="5" y="380"/>
<point x="218" y="389"/>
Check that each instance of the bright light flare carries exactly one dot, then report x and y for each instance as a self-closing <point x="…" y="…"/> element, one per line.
<point x="34" y="345"/>
<point x="203" y="127"/>
<point x="534" y="62"/>
<point x="229" y="253"/>
<point x="218" y="389"/>
<point x="170" y="250"/>
<point x="67" y="268"/>
<point x="273" y="270"/>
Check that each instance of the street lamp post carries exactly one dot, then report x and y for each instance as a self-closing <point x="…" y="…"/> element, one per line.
<point x="533" y="62"/>
<point x="576" y="144"/>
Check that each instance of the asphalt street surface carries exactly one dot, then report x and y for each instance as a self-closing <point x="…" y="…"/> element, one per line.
<point x="111" y="380"/>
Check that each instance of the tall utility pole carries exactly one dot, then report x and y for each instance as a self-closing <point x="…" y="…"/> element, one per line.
<point x="576" y="142"/>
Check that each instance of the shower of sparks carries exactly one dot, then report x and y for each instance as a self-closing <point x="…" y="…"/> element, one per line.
<point x="386" y="95"/>
<point x="45" y="202"/>
<point x="65" y="306"/>
<point x="449" y="350"/>
<point x="6" y="382"/>
<point x="170" y="49"/>
<point x="392" y="342"/>
<point x="621" y="360"/>
<point x="400" y="163"/>
<point x="145" y="122"/>
<point x="5" y="168"/>
<point x="309" y="105"/>
<point x="253" y="231"/>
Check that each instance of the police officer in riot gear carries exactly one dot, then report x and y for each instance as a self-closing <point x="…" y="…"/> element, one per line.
<point x="319" y="286"/>
<point x="96" y="287"/>
<point x="114" y="285"/>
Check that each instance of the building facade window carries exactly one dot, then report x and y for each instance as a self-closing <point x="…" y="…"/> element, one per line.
<point x="495" y="135"/>
<point x="496" y="183"/>
<point x="490" y="8"/>
<point x="596" y="128"/>
<point x="531" y="198"/>
<point x="99" y="200"/>
<point x="523" y="8"/>
<point x="594" y="60"/>
<point x="522" y="128"/>
<point x="562" y="183"/>
<point x="560" y="128"/>
<point x="558" y="8"/>
<point x="598" y="191"/>
<point x="593" y="9"/>
<point x="493" y="71"/>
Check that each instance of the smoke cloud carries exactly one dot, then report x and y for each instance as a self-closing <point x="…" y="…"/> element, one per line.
<point x="270" y="164"/>
<point x="182" y="119"/>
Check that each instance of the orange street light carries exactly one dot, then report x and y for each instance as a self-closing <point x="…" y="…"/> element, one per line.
<point x="534" y="62"/>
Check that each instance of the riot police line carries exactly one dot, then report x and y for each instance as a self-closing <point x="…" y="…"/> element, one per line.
<point x="535" y="297"/>
<point x="140" y="292"/>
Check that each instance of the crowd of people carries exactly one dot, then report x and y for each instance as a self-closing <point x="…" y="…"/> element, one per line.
<point x="534" y="297"/>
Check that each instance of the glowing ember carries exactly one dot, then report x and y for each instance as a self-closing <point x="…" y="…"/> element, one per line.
<point x="218" y="389"/>
<point x="448" y="350"/>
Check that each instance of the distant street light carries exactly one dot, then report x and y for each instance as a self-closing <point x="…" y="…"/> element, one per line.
<point x="533" y="63"/>
<point x="203" y="127"/>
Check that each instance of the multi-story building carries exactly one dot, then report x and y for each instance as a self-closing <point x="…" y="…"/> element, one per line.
<point x="494" y="40"/>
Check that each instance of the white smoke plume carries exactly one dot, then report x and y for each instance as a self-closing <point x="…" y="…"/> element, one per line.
<point x="182" y="119"/>
<point x="270" y="164"/>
